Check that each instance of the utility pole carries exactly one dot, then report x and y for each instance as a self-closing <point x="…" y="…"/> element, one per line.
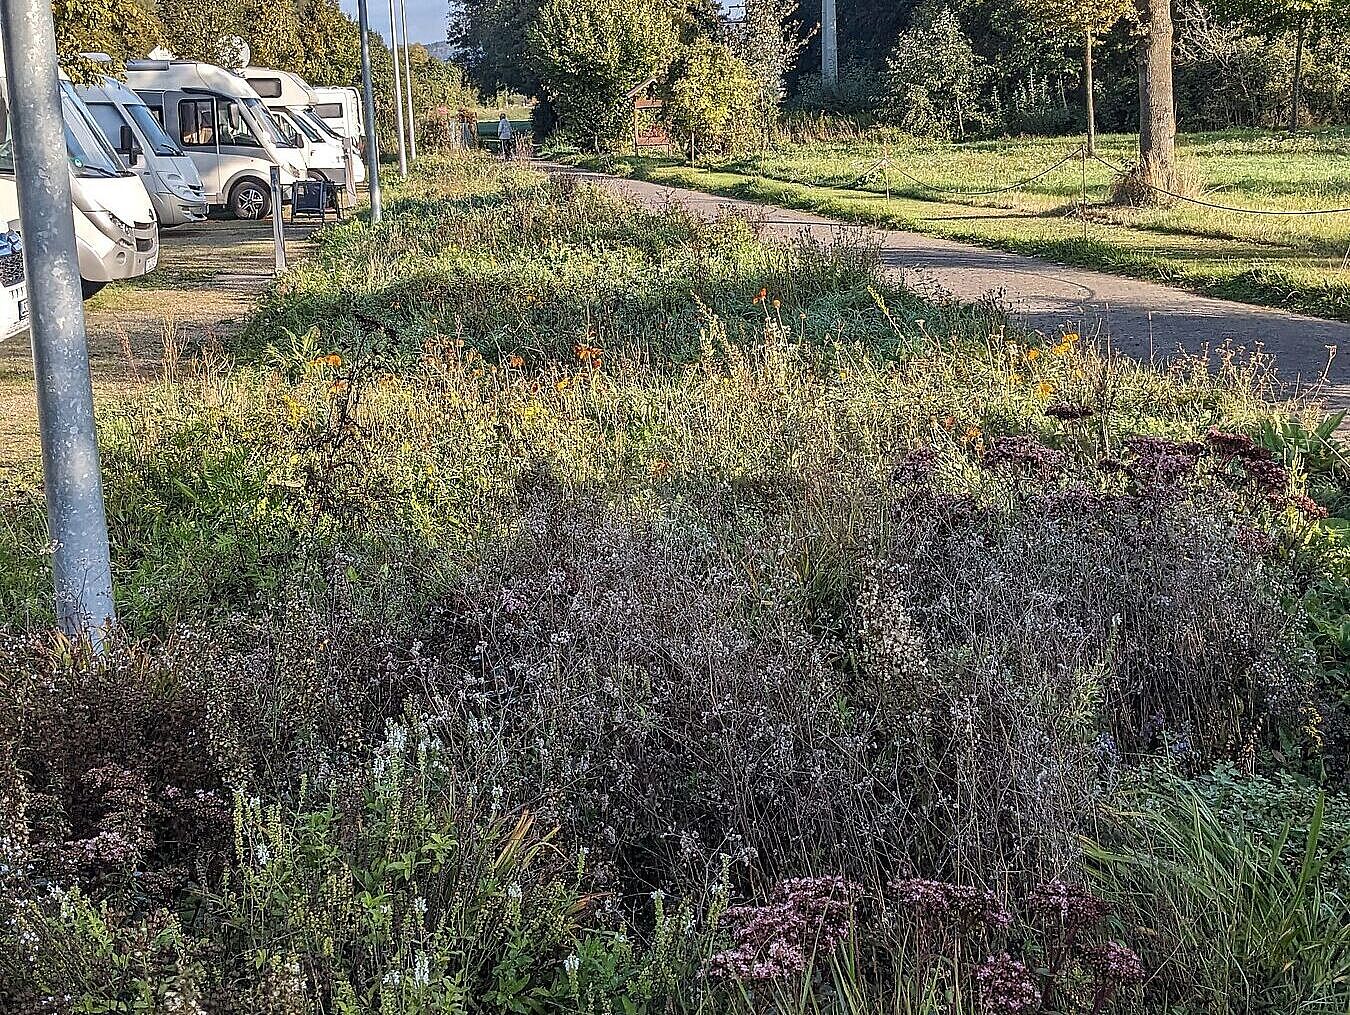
<point x="408" y="79"/>
<point x="72" y="476"/>
<point x="368" y="93"/>
<point x="829" y="42"/>
<point x="398" y="91"/>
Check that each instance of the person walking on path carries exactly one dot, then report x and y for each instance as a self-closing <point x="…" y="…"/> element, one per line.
<point x="505" y="135"/>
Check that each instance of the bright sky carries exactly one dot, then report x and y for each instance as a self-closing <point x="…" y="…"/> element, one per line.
<point x="426" y="18"/>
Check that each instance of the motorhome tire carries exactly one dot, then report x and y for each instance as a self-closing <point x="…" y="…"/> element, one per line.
<point x="250" y="199"/>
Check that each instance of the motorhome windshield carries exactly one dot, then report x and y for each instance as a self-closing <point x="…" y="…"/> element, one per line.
<point x="89" y="151"/>
<point x="263" y="122"/>
<point x="316" y="121"/>
<point x="160" y="142"/>
<point x="308" y="129"/>
<point x="6" y="145"/>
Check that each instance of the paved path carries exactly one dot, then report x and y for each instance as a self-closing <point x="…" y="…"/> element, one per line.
<point x="1142" y="319"/>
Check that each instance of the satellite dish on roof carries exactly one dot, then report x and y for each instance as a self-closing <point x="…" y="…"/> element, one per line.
<point x="160" y="53"/>
<point x="232" y="53"/>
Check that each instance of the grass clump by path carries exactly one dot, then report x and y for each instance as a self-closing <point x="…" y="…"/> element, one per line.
<point x="750" y="637"/>
<point x="1295" y="262"/>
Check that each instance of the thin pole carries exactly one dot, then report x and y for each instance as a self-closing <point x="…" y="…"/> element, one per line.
<point x="408" y="79"/>
<point x="73" y="478"/>
<point x="368" y="94"/>
<point x="278" y="223"/>
<point x="829" y="42"/>
<point x="398" y="91"/>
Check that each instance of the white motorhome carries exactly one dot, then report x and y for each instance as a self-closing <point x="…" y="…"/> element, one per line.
<point x="225" y="129"/>
<point x="13" y="291"/>
<point x="168" y="174"/>
<point x="116" y="234"/>
<point x="291" y="101"/>
<point x="340" y="108"/>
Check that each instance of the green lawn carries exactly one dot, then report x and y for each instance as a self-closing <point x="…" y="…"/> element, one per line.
<point x="1298" y="262"/>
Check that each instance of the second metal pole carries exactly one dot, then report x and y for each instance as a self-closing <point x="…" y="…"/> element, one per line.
<point x="408" y="81"/>
<point x="829" y="42"/>
<point x="368" y="94"/>
<point x="72" y="475"/>
<point x="398" y="90"/>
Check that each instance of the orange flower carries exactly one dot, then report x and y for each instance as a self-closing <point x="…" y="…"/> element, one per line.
<point x="1033" y="355"/>
<point x="972" y="433"/>
<point x="763" y="295"/>
<point x="516" y="362"/>
<point x="949" y="422"/>
<point x="339" y="387"/>
<point x="333" y="360"/>
<point x="1045" y="390"/>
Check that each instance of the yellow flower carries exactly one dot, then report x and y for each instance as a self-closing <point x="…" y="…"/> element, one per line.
<point x="972" y="433"/>
<point x="1045" y="390"/>
<point x="1033" y="355"/>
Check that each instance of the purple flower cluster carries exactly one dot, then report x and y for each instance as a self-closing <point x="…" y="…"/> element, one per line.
<point x="1024" y="456"/>
<point x="959" y="906"/>
<point x="808" y="915"/>
<point x="1007" y="987"/>
<point x="1158" y="466"/>
<point x="1060" y="905"/>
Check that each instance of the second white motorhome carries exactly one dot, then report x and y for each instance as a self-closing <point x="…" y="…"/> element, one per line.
<point x="225" y="129"/>
<point x="340" y="108"/>
<point x="169" y="176"/>
<point x="291" y="100"/>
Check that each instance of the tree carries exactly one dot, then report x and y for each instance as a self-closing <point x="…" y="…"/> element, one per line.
<point x="1087" y="20"/>
<point x="1157" y="111"/>
<point x="123" y="29"/>
<point x="934" y="75"/>
<point x="768" y="40"/>
<point x="491" y="35"/>
<point x="712" y="101"/>
<point x="1304" y="19"/>
<point x="588" y="56"/>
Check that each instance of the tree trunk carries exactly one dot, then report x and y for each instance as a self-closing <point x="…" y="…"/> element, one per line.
<point x="1298" y="75"/>
<point x="1089" y="87"/>
<point x="1157" y="112"/>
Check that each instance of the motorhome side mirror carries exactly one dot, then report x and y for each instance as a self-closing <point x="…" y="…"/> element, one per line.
<point x="129" y="146"/>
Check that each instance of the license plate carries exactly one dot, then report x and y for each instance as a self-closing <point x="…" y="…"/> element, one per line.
<point x="152" y="264"/>
<point x="23" y="311"/>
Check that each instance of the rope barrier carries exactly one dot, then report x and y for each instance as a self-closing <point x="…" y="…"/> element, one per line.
<point x="886" y="163"/>
<point x="1226" y="207"/>
<point x="971" y="193"/>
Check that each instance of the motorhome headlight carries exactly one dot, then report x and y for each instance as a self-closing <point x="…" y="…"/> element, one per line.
<point x="114" y="228"/>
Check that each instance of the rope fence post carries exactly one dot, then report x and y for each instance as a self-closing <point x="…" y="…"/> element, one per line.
<point x="278" y="223"/>
<point x="1082" y="193"/>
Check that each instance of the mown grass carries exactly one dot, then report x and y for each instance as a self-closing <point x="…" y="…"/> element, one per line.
<point x="1293" y="262"/>
<point x="541" y="576"/>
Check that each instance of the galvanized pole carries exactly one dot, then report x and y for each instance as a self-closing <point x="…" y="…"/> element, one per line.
<point x="398" y="90"/>
<point x="72" y="477"/>
<point x="368" y="94"/>
<point x="829" y="42"/>
<point x="408" y="80"/>
<point x="278" y="222"/>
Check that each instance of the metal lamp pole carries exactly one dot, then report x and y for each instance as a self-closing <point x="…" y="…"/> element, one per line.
<point x="368" y="94"/>
<point x="73" y="479"/>
<point x="398" y="90"/>
<point x="829" y="42"/>
<point x="408" y="80"/>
